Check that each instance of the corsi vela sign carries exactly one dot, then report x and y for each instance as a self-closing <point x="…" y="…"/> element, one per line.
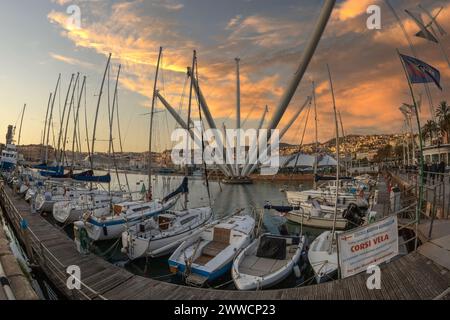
<point x="366" y="246"/>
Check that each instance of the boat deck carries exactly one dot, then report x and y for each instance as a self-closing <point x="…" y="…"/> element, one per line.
<point x="414" y="276"/>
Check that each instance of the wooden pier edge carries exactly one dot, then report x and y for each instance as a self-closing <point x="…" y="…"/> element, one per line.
<point x="409" y="277"/>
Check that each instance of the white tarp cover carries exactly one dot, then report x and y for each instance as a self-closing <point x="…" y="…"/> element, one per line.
<point x="366" y="246"/>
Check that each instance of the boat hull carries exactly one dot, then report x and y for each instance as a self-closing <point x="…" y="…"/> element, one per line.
<point x="247" y="282"/>
<point x="316" y="222"/>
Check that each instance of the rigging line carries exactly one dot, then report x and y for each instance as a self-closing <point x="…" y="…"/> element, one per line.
<point x="61" y="125"/>
<point x="71" y="105"/>
<point x="120" y="140"/>
<point x="303" y="137"/>
<point x="414" y="52"/>
<point x="86" y="123"/>
<point x="201" y="134"/>
<point x="108" y="81"/>
<point x="111" y="127"/>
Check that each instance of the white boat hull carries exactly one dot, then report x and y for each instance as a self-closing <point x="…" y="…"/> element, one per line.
<point x="244" y="280"/>
<point x="164" y="243"/>
<point x="316" y="222"/>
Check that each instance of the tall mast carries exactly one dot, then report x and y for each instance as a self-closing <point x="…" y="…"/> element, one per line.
<point x="45" y="127"/>
<point x="76" y="83"/>
<point x="188" y="156"/>
<point x="76" y="121"/>
<point x="62" y="121"/>
<point x="150" y="137"/>
<point x="316" y="151"/>
<point x="50" y="119"/>
<point x="21" y="122"/>
<point x="238" y="114"/>
<point x="337" y="156"/>
<point x="308" y="53"/>
<point x="96" y="112"/>
<point x="111" y="143"/>
<point x="343" y="141"/>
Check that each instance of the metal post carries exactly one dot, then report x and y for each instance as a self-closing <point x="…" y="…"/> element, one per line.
<point x="238" y="115"/>
<point x="303" y="65"/>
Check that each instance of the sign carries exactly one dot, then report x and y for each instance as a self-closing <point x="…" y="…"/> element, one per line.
<point x="369" y="245"/>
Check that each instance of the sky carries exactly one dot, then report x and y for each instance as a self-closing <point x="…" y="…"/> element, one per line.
<point x="268" y="36"/>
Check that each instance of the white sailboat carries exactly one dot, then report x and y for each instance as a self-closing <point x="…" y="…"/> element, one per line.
<point x="161" y="235"/>
<point x="46" y="199"/>
<point x="267" y="261"/>
<point x="110" y="225"/>
<point x="70" y="211"/>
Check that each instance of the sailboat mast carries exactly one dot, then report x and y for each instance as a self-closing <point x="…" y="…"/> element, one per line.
<point x="76" y="121"/>
<point x="188" y="151"/>
<point x="61" y="126"/>
<point x="21" y="122"/>
<point x="111" y="143"/>
<point x="50" y="119"/>
<point x="150" y="136"/>
<point x="45" y="127"/>
<point x="238" y="115"/>
<point x="343" y="141"/>
<point x="316" y="151"/>
<point x="62" y="156"/>
<point x="96" y="112"/>
<point x="337" y="156"/>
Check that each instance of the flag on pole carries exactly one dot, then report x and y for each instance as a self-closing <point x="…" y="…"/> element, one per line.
<point x="421" y="72"/>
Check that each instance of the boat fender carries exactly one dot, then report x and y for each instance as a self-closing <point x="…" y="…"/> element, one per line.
<point x="105" y="230"/>
<point x="84" y="239"/>
<point x="297" y="271"/>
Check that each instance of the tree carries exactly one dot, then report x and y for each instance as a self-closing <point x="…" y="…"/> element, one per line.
<point x="443" y="115"/>
<point x="430" y="130"/>
<point x="384" y="153"/>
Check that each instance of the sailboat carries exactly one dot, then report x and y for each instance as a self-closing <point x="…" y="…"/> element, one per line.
<point x="164" y="233"/>
<point x="66" y="212"/>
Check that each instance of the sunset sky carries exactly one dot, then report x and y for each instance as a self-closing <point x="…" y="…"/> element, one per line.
<point x="268" y="35"/>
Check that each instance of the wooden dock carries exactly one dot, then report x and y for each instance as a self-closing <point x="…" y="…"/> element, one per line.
<point x="409" y="277"/>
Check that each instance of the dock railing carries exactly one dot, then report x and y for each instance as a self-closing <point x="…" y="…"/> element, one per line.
<point x="38" y="253"/>
<point x="436" y="195"/>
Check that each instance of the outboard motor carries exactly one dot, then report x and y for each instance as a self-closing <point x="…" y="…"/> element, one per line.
<point x="354" y="215"/>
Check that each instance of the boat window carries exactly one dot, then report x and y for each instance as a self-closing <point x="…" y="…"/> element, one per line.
<point x="187" y="220"/>
<point x="141" y="209"/>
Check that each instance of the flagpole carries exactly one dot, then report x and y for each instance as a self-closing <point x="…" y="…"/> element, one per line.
<point x="419" y="206"/>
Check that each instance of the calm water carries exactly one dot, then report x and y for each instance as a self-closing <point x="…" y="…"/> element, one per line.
<point x="226" y="200"/>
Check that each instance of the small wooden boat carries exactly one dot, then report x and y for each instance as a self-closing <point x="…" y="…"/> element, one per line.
<point x="323" y="257"/>
<point x="267" y="261"/>
<point x="209" y="255"/>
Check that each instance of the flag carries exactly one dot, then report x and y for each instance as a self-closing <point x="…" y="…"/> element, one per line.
<point x="421" y="72"/>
